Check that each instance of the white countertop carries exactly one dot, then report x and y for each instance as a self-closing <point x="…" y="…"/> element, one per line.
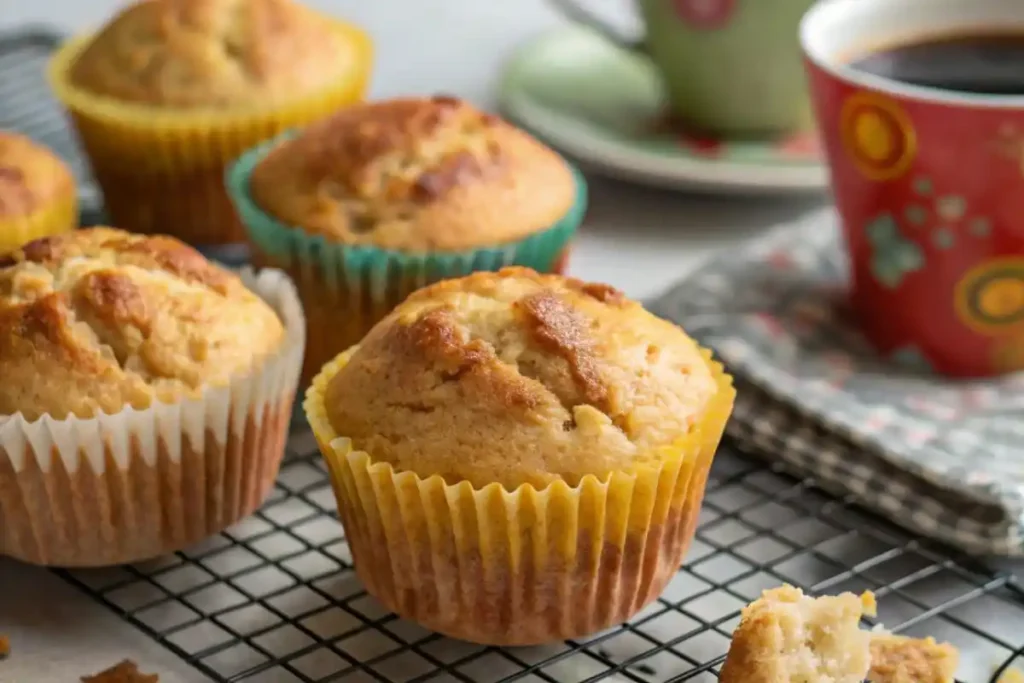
<point x="638" y="239"/>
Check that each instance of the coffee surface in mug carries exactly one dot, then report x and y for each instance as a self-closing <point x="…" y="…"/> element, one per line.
<point x="989" y="63"/>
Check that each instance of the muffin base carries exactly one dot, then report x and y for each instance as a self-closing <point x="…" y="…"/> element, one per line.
<point x="137" y="484"/>
<point x="162" y="171"/>
<point x="58" y="216"/>
<point x="527" y="566"/>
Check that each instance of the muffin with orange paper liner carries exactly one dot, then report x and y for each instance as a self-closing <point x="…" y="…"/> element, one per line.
<point x="170" y="91"/>
<point x="37" y="192"/>
<point x="519" y="458"/>
<point x="146" y="395"/>
<point x="365" y="207"/>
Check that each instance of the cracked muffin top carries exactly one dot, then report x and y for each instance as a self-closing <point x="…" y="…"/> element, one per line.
<point x="99" y="319"/>
<point x="31" y="176"/>
<point x="415" y="174"/>
<point x="515" y="377"/>
<point x="213" y="54"/>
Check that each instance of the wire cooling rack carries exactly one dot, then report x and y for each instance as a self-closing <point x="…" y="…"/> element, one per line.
<point x="275" y="599"/>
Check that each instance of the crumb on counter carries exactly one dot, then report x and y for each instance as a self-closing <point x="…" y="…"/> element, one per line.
<point x="125" y="672"/>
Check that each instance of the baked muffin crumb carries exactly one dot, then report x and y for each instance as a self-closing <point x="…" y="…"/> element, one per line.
<point x="788" y="637"/>
<point x="557" y="377"/>
<point x="1012" y="676"/>
<point x="125" y="672"/>
<point x="898" y="659"/>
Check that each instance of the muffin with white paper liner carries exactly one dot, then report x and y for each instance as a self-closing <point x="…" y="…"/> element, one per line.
<point x="145" y="399"/>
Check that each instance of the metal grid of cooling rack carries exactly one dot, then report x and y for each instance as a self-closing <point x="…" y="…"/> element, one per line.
<point x="276" y="599"/>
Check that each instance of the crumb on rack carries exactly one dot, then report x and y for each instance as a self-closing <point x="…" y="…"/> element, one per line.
<point x="1012" y="676"/>
<point x="5" y="647"/>
<point x="125" y="672"/>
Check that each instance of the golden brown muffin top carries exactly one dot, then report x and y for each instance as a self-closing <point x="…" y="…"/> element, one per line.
<point x="212" y="54"/>
<point x="99" y="319"/>
<point x="416" y="174"/>
<point x="515" y="377"/>
<point x="30" y="176"/>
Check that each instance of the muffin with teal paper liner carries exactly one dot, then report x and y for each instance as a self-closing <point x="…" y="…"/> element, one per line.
<point x="381" y="199"/>
<point x="519" y="458"/>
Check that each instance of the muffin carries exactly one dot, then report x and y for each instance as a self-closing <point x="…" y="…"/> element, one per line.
<point x="365" y="207"/>
<point x="170" y="91"/>
<point x="37" y="192"/>
<point x="145" y="399"/>
<point x="519" y="458"/>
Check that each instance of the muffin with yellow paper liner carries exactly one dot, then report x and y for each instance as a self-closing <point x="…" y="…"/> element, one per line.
<point x="170" y="91"/>
<point x="519" y="458"/>
<point x="37" y="192"/>
<point x="363" y="208"/>
<point x="146" y="395"/>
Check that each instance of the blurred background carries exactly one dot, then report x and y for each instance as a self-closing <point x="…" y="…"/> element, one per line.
<point x="458" y="47"/>
<point x="423" y="46"/>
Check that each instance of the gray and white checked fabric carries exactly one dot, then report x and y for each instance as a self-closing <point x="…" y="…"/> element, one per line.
<point x="944" y="459"/>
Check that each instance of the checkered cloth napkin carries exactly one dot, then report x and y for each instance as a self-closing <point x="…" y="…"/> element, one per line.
<point x="944" y="459"/>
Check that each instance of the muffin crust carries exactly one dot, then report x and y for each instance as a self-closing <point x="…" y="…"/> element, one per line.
<point x="98" y="319"/>
<point x="415" y="174"/>
<point x="516" y="378"/>
<point x="219" y="54"/>
<point x="30" y="176"/>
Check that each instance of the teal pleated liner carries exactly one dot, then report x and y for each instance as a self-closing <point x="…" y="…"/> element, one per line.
<point x="346" y="289"/>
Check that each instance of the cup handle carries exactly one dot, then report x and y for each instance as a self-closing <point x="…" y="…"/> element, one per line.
<point x="572" y="11"/>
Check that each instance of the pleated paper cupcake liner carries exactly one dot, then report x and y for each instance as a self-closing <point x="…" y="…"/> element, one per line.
<point x="526" y="566"/>
<point x="58" y="216"/>
<point x="347" y="289"/>
<point x="162" y="171"/>
<point x="137" y="484"/>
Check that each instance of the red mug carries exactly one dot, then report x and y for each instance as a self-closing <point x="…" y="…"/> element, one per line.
<point x="929" y="184"/>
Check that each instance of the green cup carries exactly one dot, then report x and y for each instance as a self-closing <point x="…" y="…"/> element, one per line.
<point x="731" y="68"/>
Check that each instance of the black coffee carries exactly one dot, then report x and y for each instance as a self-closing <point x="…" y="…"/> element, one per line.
<point x="985" y="63"/>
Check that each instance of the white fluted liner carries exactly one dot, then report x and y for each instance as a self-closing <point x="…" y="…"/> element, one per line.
<point x="141" y="482"/>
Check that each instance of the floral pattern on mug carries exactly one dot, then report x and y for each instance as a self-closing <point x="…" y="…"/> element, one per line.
<point x="893" y="256"/>
<point x="705" y="14"/>
<point x="912" y="358"/>
<point x="990" y="299"/>
<point x="878" y="135"/>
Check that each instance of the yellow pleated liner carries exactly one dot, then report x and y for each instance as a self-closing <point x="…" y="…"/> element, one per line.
<point x="526" y="566"/>
<point x="162" y="170"/>
<point x="59" y="215"/>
